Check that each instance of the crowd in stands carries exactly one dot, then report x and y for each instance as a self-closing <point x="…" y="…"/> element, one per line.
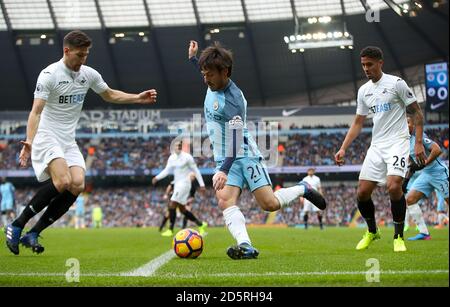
<point x="145" y="206"/>
<point x="141" y="153"/>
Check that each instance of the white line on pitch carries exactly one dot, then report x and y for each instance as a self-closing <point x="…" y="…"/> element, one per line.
<point x="151" y="267"/>
<point x="266" y="274"/>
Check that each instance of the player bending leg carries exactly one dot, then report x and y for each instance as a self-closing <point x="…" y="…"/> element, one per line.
<point x="55" y="156"/>
<point x="236" y="154"/>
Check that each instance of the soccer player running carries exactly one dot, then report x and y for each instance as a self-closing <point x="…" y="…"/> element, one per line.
<point x="236" y="154"/>
<point x="308" y="206"/>
<point x="431" y="175"/>
<point x="387" y="97"/>
<point x="56" y="159"/>
<point x="181" y="163"/>
<point x="7" y="201"/>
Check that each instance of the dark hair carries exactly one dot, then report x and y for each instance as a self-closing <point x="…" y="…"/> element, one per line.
<point x="77" y="39"/>
<point x="216" y="57"/>
<point x="372" y="52"/>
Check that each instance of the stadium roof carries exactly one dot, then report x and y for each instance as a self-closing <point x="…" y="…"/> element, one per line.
<point x="143" y="43"/>
<point x="88" y="14"/>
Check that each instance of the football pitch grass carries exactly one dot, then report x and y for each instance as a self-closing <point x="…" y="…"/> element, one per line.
<point x="288" y="257"/>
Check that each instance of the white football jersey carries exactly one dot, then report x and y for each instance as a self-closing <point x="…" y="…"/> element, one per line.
<point x="387" y="100"/>
<point x="314" y="181"/>
<point x="64" y="91"/>
<point x="181" y="165"/>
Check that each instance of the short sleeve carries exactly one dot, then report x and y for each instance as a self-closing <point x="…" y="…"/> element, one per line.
<point x="44" y="85"/>
<point x="427" y="142"/>
<point x="96" y="82"/>
<point x="404" y="92"/>
<point x="361" y="108"/>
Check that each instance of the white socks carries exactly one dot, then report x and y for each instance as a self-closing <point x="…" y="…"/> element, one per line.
<point x="235" y="221"/>
<point x="416" y="213"/>
<point x="287" y="195"/>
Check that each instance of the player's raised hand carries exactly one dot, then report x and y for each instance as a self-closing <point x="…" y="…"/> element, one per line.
<point x="25" y="153"/>
<point x="193" y="49"/>
<point x="154" y="180"/>
<point x="148" y="96"/>
<point x="219" y="180"/>
<point x="339" y="157"/>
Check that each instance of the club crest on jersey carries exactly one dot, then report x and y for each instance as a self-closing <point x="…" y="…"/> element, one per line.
<point x="216" y="105"/>
<point x="82" y="81"/>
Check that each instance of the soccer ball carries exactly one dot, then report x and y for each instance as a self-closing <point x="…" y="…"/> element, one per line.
<point x="187" y="243"/>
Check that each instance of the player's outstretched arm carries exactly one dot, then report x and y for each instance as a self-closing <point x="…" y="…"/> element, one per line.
<point x="116" y="96"/>
<point x="419" y="149"/>
<point x="32" y="126"/>
<point x="352" y="133"/>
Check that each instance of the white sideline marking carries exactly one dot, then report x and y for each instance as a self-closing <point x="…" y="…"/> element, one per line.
<point x="137" y="273"/>
<point x="151" y="267"/>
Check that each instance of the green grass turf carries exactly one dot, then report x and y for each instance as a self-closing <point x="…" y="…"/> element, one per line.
<point x="286" y="255"/>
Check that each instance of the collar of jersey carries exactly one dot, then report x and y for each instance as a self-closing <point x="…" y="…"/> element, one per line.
<point x="67" y="70"/>
<point x="226" y="87"/>
<point x="379" y="81"/>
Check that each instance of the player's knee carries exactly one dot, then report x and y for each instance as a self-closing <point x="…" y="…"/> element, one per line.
<point x="270" y="205"/>
<point x="62" y="183"/>
<point x="363" y="195"/>
<point x="224" y="203"/>
<point x="411" y="199"/>
<point x="172" y="205"/>
<point x="395" y="189"/>
<point x="77" y="186"/>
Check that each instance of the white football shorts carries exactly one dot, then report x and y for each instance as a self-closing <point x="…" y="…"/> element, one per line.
<point x="181" y="192"/>
<point x="386" y="159"/>
<point x="46" y="148"/>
